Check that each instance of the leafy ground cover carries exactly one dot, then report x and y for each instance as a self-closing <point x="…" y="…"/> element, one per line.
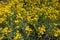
<point x="30" y="20"/>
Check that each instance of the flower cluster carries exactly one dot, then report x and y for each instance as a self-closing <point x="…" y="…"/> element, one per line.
<point x="30" y="20"/>
<point x="41" y="30"/>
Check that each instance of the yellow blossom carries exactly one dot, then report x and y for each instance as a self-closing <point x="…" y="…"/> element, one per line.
<point x="2" y="19"/>
<point x="6" y="30"/>
<point x="0" y="28"/>
<point x="53" y="17"/>
<point x="7" y="9"/>
<point x="16" y="21"/>
<point x="19" y="16"/>
<point x="29" y="19"/>
<point x="38" y="9"/>
<point x="41" y="29"/>
<point x="56" y="34"/>
<point x="58" y="31"/>
<point x="17" y="36"/>
<point x="28" y="29"/>
<point x="17" y="27"/>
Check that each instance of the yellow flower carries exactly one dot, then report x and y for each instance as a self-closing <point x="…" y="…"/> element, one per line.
<point x="19" y="5"/>
<point x="29" y="30"/>
<point x="2" y="19"/>
<point x="7" y="9"/>
<point x="1" y="13"/>
<point x="17" y="27"/>
<point x="29" y="19"/>
<point x="41" y="29"/>
<point x="56" y="34"/>
<point x="53" y="17"/>
<point x="38" y="9"/>
<point x="34" y="19"/>
<point x="6" y="30"/>
<point x="19" y="16"/>
<point x="17" y="36"/>
<point x="0" y="28"/>
<point x="58" y="31"/>
<point x="16" y="1"/>
<point x="16" y="21"/>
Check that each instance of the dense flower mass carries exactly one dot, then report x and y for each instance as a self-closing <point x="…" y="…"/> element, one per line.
<point x="29" y="19"/>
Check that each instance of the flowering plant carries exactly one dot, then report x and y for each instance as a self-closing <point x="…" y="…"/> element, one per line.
<point x="30" y="20"/>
